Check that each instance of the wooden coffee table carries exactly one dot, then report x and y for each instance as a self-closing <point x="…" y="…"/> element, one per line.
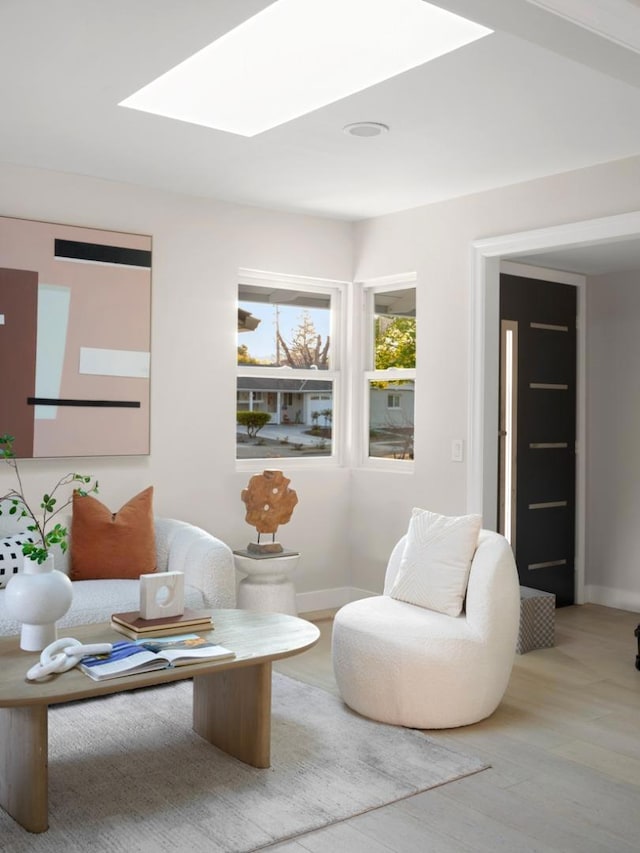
<point x="231" y="699"/>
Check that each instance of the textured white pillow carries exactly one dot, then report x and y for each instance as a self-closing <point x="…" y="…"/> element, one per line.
<point x="435" y="565"/>
<point x="11" y="558"/>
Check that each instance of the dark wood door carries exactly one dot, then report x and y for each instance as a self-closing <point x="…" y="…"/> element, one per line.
<point x="543" y="316"/>
<point x="18" y="334"/>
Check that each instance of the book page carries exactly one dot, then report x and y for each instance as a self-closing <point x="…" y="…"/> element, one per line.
<point x="188" y="648"/>
<point x="125" y="658"/>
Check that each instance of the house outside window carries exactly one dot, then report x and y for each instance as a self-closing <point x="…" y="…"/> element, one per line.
<point x="288" y="378"/>
<point x="389" y="372"/>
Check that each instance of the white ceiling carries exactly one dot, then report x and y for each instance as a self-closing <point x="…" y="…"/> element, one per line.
<point x="542" y="95"/>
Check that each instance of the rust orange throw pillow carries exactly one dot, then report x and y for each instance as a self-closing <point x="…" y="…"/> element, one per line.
<point x="112" y="545"/>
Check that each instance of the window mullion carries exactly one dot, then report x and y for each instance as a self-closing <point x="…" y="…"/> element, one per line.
<point x="390" y="375"/>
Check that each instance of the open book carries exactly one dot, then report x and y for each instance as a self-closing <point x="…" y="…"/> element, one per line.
<point x="127" y="658"/>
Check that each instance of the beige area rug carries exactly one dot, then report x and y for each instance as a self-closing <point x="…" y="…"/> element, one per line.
<point x="127" y="774"/>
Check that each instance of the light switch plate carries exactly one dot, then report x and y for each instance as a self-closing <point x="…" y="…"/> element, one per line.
<point x="457" y="450"/>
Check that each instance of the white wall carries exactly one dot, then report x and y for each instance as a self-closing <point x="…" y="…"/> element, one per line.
<point x="613" y="424"/>
<point x="434" y="242"/>
<point x="198" y="247"/>
<point x="346" y="522"/>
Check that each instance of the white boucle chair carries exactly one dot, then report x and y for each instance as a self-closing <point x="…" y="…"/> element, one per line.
<point x="206" y="561"/>
<point x="409" y="666"/>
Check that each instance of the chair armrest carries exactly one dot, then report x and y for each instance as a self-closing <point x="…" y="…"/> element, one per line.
<point x="207" y="562"/>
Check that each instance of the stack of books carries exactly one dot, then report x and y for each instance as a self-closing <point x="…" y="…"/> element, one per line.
<point x="132" y="625"/>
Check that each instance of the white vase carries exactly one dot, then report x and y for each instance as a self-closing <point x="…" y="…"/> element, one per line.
<point x="37" y="597"/>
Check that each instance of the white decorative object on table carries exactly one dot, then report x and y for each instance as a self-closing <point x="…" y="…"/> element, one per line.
<point x="40" y="595"/>
<point x="267" y="586"/>
<point x="161" y="594"/>
<point x="62" y="655"/>
<point x="37" y="597"/>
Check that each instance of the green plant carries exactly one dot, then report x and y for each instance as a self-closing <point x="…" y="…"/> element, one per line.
<point x="253" y="421"/>
<point x="395" y="344"/>
<point x="46" y="536"/>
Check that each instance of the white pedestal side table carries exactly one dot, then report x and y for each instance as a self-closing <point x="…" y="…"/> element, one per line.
<point x="267" y="586"/>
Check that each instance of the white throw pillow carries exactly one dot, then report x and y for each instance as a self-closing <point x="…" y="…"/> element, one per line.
<point x="11" y="559"/>
<point x="435" y="565"/>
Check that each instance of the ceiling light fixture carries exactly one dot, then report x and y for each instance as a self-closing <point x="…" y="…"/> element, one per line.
<point x="296" y="56"/>
<point x="365" y="128"/>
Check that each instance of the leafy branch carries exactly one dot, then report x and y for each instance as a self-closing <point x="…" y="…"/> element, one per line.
<point x="40" y="523"/>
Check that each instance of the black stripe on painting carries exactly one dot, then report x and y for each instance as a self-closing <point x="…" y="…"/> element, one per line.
<point x="96" y="253"/>
<point x="104" y="404"/>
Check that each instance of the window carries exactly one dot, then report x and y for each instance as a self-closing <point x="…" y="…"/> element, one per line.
<point x="288" y="382"/>
<point x="390" y="370"/>
<point x="393" y="401"/>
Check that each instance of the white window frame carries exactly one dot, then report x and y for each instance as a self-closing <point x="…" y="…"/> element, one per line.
<point x="363" y="309"/>
<point x="337" y="291"/>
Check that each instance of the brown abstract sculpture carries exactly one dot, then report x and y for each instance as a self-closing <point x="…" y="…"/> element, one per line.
<point x="270" y="503"/>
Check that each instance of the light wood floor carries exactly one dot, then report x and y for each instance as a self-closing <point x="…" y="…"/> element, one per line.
<point x="564" y="749"/>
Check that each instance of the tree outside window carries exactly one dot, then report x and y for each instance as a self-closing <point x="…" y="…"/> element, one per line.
<point x="390" y="378"/>
<point x="395" y="342"/>
<point x="286" y="354"/>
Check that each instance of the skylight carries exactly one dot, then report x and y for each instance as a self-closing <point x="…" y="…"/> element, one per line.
<point x="296" y="56"/>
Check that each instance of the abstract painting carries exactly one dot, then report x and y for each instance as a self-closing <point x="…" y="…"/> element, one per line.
<point x="75" y="339"/>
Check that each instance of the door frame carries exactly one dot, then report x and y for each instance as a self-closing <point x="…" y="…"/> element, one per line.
<point x="483" y="391"/>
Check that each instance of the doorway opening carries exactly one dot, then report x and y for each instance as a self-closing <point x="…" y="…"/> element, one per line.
<point x="488" y="254"/>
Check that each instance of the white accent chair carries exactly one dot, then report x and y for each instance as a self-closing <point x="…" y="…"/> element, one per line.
<point x="409" y="666"/>
<point x="207" y="564"/>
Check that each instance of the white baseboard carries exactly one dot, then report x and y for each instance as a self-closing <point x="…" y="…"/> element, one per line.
<point x="621" y="599"/>
<point x="329" y="599"/>
<point x="332" y="599"/>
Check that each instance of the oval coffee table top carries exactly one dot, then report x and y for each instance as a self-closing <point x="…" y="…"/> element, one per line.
<point x="255" y="637"/>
